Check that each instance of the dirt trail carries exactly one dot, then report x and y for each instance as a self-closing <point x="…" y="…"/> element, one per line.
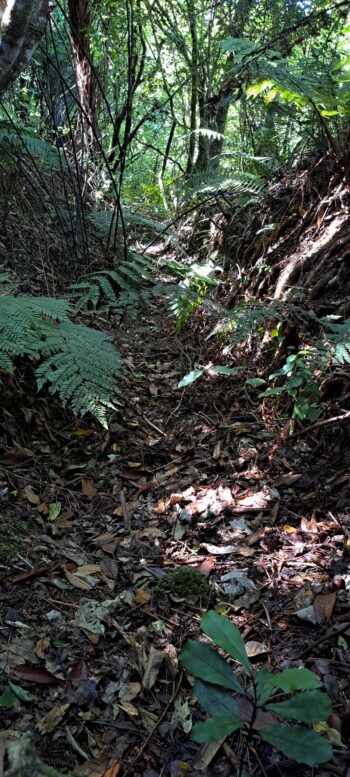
<point x="187" y="477"/>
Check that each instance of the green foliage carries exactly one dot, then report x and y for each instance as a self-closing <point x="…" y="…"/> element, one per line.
<point x="194" y="287"/>
<point x="79" y="363"/>
<point x="195" y="374"/>
<point x="184" y="582"/>
<point x="18" y="142"/>
<point x="122" y="290"/>
<point x="305" y="703"/>
<point x="298" y="383"/>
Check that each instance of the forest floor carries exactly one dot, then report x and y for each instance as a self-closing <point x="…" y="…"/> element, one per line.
<point x="193" y="477"/>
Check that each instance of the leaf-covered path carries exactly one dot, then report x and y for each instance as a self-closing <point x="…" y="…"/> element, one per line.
<point x="193" y="477"/>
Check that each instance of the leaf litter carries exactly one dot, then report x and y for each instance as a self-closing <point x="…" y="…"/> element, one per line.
<point x="88" y="646"/>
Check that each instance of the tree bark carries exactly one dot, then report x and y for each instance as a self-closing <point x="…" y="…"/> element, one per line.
<point x="20" y="37"/>
<point x="80" y="20"/>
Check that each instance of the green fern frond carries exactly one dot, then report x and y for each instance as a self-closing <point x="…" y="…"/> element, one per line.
<point x="80" y="364"/>
<point x="77" y="372"/>
<point x="20" y="141"/>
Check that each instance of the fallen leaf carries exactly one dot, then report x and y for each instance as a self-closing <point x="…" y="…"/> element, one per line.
<point x="129" y="709"/>
<point x="254" y="648"/>
<point x="33" y="498"/>
<point x="43" y="508"/>
<point x="78" y="582"/>
<point x="51" y="720"/>
<point x="110" y="568"/>
<point x="54" y="510"/>
<point x="307" y="614"/>
<point x="151" y="531"/>
<point x="88" y="569"/>
<point x="141" y="596"/>
<point x="35" y="674"/>
<point x="106" y="537"/>
<point x="207" y="566"/>
<point x="218" y="550"/>
<point x="88" y="488"/>
<point x="110" y="547"/>
<point x="114" y="770"/>
<point x="217" y="451"/>
<point x="42" y="646"/>
<point x="323" y="607"/>
<point x="155" y="659"/>
<point x="130" y="691"/>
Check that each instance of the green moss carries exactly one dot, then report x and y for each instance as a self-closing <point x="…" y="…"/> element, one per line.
<point x="185" y="582"/>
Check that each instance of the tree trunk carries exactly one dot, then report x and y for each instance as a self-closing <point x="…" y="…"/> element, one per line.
<point x="80" y="20"/>
<point x="24" y="24"/>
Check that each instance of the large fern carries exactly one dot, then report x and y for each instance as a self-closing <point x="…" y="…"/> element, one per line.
<point x="80" y="364"/>
<point x="17" y="142"/>
<point x="122" y="290"/>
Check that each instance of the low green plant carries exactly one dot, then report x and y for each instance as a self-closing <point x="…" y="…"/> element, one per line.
<point x="299" y="384"/>
<point x="237" y="702"/>
<point x="184" y="582"/>
<point x="194" y="287"/>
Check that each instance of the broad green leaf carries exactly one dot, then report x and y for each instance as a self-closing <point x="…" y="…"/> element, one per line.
<point x="214" y="700"/>
<point x="20" y="692"/>
<point x="306" y="707"/>
<point x="272" y="391"/>
<point x="190" y="378"/>
<point x="255" y="381"/>
<point x="291" y="680"/>
<point x="203" y="662"/>
<point x="298" y="742"/>
<point x="214" y="729"/>
<point x="226" y="635"/>
<point x="7" y="699"/>
<point x="263" y="687"/>
<point x="221" y="370"/>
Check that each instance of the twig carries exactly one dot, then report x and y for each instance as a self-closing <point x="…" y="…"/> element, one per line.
<point x="159" y="721"/>
<point x="126" y="516"/>
<point x="156" y="428"/>
<point x="318" y="424"/>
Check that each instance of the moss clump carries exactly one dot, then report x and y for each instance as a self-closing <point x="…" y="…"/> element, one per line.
<point x="185" y="582"/>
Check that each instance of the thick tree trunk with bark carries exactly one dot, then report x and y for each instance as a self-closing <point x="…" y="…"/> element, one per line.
<point x="80" y="19"/>
<point x="22" y="26"/>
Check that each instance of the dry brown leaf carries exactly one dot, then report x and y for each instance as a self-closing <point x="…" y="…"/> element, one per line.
<point x="88" y="569"/>
<point x="151" y="531"/>
<point x="130" y="692"/>
<point x="35" y="674"/>
<point x="323" y="606"/>
<point x="113" y="770"/>
<point x="106" y="537"/>
<point x="77" y="581"/>
<point x="42" y="646"/>
<point x="141" y="596"/>
<point x="33" y="498"/>
<point x="49" y="722"/>
<point x="88" y="488"/>
<point x="43" y="508"/>
<point x="110" y="547"/>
